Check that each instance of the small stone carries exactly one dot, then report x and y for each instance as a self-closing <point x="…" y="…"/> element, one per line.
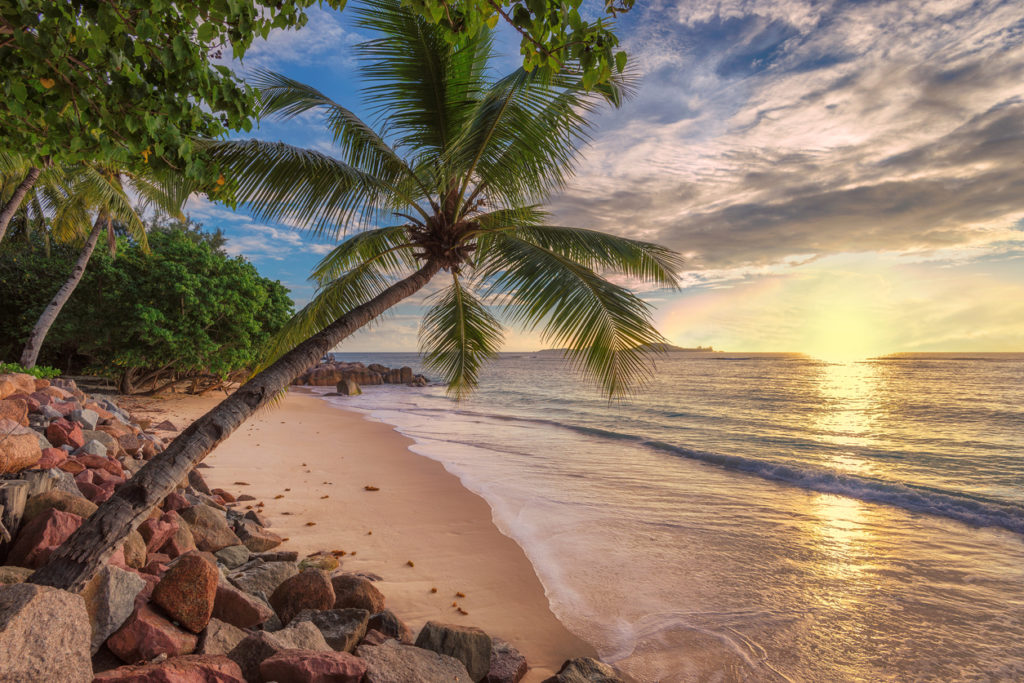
<point x="352" y="590"/>
<point x="468" y="644"/>
<point x="303" y="666"/>
<point x="44" y="635"/>
<point x="85" y="417"/>
<point x="187" y="591"/>
<point x="134" y="548"/>
<point x="311" y="589"/>
<point x="146" y="635"/>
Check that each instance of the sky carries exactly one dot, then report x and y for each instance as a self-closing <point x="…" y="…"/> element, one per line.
<point x="845" y="179"/>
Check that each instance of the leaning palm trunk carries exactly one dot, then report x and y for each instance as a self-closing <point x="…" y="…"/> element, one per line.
<point x="30" y="354"/>
<point x="20" y="192"/>
<point x="72" y="565"/>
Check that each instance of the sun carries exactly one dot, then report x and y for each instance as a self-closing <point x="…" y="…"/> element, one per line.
<point x="843" y="334"/>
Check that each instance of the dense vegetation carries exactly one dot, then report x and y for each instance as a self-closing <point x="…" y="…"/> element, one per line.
<point x="185" y="311"/>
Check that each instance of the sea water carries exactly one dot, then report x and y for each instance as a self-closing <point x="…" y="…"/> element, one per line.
<point x="756" y="516"/>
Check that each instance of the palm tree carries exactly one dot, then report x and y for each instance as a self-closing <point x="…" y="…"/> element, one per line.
<point x="462" y="161"/>
<point x="98" y="188"/>
<point x="27" y="175"/>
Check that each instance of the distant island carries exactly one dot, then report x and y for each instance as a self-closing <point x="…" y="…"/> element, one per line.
<point x="655" y="348"/>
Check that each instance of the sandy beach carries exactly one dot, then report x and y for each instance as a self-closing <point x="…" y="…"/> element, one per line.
<point x="309" y="463"/>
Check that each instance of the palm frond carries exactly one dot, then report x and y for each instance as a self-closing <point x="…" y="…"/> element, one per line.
<point x="387" y="246"/>
<point x="457" y="336"/>
<point x="602" y="326"/>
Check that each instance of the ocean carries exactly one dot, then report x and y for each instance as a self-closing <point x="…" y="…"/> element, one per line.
<point x="755" y="517"/>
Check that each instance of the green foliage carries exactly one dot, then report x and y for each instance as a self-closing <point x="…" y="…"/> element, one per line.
<point x="185" y="306"/>
<point x="127" y="81"/>
<point x="40" y="371"/>
<point x="471" y="158"/>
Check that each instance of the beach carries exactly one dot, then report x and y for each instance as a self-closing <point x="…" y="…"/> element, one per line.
<point x="309" y="462"/>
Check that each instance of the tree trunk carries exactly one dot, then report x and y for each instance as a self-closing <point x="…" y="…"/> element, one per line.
<point x="74" y="563"/>
<point x="52" y="310"/>
<point x="11" y="207"/>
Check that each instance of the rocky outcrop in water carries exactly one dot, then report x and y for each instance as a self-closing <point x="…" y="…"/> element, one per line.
<point x="339" y="372"/>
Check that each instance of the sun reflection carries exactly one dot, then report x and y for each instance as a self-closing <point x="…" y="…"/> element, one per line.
<point x="848" y="410"/>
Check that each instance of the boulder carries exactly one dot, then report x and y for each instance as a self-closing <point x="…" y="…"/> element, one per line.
<point x="468" y="644"/>
<point x="352" y="590"/>
<point x="233" y="556"/>
<point x="56" y="499"/>
<point x="239" y="608"/>
<point x="393" y="662"/>
<point x="109" y="442"/>
<point x="209" y="528"/>
<point x="584" y="670"/>
<point x="255" y="537"/>
<point x="134" y="548"/>
<point x="179" y="543"/>
<point x="278" y="556"/>
<point x="349" y="387"/>
<point x="256" y="647"/>
<point x="44" y="635"/>
<point x="263" y="578"/>
<point x="19" y="448"/>
<point x="51" y="457"/>
<point x="41" y="536"/>
<point x="129" y="443"/>
<point x="389" y="624"/>
<point x="507" y="664"/>
<point x="12" y="574"/>
<point x="110" y="600"/>
<point x="341" y="628"/>
<point x="156" y="532"/>
<point x="15" y="383"/>
<point x="93" y="448"/>
<point x="146" y="635"/>
<point x="325" y="562"/>
<point x="85" y="417"/>
<point x="99" y="460"/>
<point x="64" y="433"/>
<point x="310" y="589"/>
<point x="220" y="638"/>
<point x="15" y="410"/>
<point x="96" y="493"/>
<point x="187" y="591"/>
<point x="306" y="666"/>
<point x="185" y="669"/>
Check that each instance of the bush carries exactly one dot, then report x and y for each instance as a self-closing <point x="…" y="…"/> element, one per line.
<point x="185" y="311"/>
<point x="39" y="371"/>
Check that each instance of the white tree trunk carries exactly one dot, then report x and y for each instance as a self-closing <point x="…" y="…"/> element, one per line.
<point x="11" y="207"/>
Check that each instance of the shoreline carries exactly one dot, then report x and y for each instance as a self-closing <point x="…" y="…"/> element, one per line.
<point x="420" y="514"/>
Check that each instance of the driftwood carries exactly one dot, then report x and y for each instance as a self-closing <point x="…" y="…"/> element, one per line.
<point x="13" y="496"/>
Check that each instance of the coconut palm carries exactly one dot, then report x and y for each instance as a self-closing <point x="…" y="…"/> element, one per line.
<point x="98" y="190"/>
<point x="454" y="171"/>
<point x="21" y="177"/>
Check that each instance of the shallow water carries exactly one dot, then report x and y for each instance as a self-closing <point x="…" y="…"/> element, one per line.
<point x="757" y="517"/>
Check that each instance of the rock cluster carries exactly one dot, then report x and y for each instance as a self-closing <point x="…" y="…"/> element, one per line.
<point x="344" y="375"/>
<point x="198" y="592"/>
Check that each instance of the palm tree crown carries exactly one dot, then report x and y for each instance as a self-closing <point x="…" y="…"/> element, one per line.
<point x="456" y="168"/>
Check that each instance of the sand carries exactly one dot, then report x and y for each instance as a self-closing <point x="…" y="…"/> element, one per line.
<point x="319" y="458"/>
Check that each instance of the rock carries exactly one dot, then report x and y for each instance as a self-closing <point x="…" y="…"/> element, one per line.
<point x="15" y="410"/>
<point x="220" y="638"/>
<point x="134" y="548"/>
<point x="355" y="591"/>
<point x="96" y="493"/>
<point x="99" y="462"/>
<point x="129" y="443"/>
<point x="255" y="537"/>
<point x="146" y="635"/>
<point x="51" y="457"/>
<point x="175" y="501"/>
<point x="188" y="590"/>
<point x="156" y="564"/>
<point x="225" y="495"/>
<point x="19" y="447"/>
<point x="348" y="387"/>
<point x="233" y="556"/>
<point x="166" y="426"/>
<point x="584" y="670"/>
<point x="41" y="536"/>
<point x="16" y="382"/>
<point x="209" y="528"/>
<point x="61" y="433"/>
<point x="238" y="608"/>
<point x="341" y="628"/>
<point x="258" y="518"/>
<point x="468" y="644"/>
<point x="12" y="574"/>
<point x="305" y="666"/>
<point x="389" y="624"/>
<point x="85" y="417"/>
<point x="373" y="637"/>
<point x="179" y="543"/>
<point x="256" y="647"/>
<point x="310" y="589"/>
<point x="185" y="669"/>
<point x="93" y="448"/>
<point x="110" y="443"/>
<point x="393" y="662"/>
<point x="507" y="664"/>
<point x="57" y="500"/>
<point x="44" y="635"/>
<point x="263" y="578"/>
<point x="71" y="466"/>
<point x="156" y="532"/>
<point x="278" y="556"/>
<point x="110" y="600"/>
<point x="321" y="561"/>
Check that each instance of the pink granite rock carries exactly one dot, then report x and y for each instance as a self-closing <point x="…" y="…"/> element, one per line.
<point x="238" y="608"/>
<point x="61" y="433"/>
<point x="310" y="589"/>
<point x="185" y="669"/>
<point x="187" y="591"/>
<point x="38" y="538"/>
<point x="310" y="666"/>
<point x="146" y="634"/>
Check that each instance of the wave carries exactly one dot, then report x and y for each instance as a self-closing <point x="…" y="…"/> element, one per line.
<point x="967" y="508"/>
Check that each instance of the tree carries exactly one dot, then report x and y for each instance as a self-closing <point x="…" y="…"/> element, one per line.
<point x="463" y="166"/>
<point x="97" y="187"/>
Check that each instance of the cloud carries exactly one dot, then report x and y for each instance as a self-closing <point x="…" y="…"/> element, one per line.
<point x="317" y="42"/>
<point x="765" y="130"/>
